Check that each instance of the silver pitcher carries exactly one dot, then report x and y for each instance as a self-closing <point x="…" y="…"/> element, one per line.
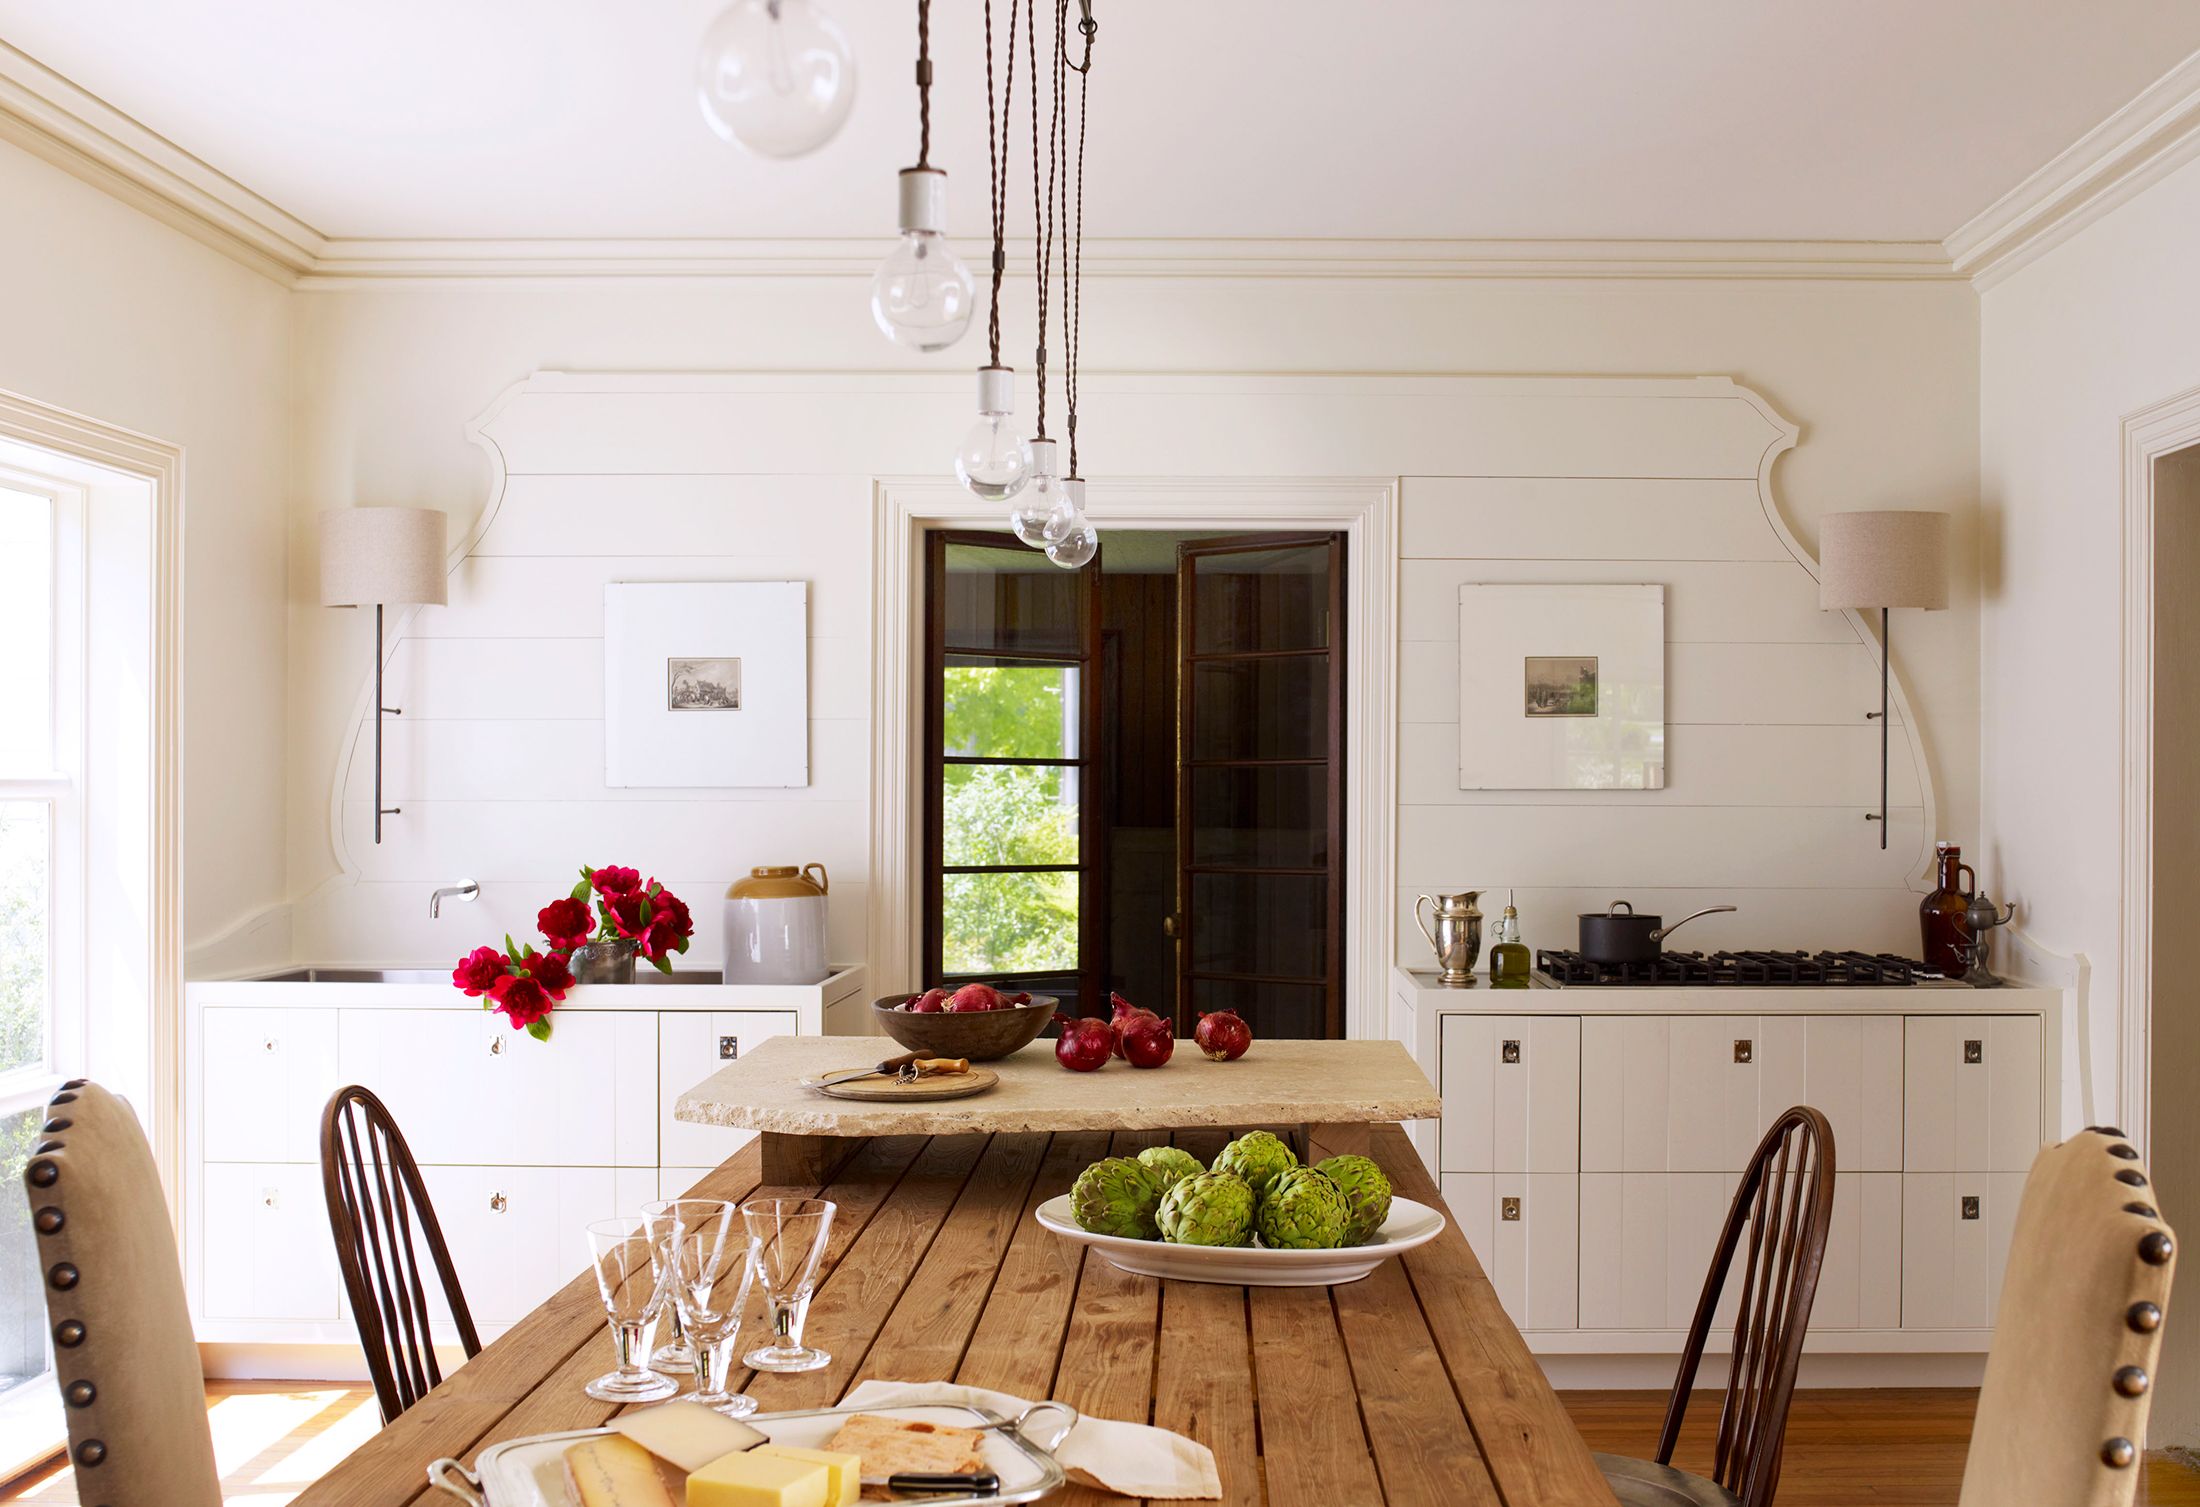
<point x="1457" y="935"/>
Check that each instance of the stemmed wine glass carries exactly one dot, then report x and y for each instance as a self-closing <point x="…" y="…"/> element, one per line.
<point x="675" y="1357"/>
<point x="709" y="1263"/>
<point x="631" y="1279"/>
<point x="788" y="1236"/>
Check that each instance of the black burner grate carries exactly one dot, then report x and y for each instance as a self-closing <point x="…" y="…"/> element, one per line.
<point x="1741" y="970"/>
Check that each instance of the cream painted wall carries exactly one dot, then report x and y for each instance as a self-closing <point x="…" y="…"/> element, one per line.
<point x="1881" y="376"/>
<point x="106" y="312"/>
<point x="2105" y="324"/>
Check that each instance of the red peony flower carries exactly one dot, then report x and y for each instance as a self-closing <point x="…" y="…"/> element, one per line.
<point x="669" y="925"/>
<point x="480" y="971"/>
<point x="612" y="880"/>
<point x="566" y="924"/>
<point x="522" y="1000"/>
<point x="548" y="969"/>
<point x="628" y="914"/>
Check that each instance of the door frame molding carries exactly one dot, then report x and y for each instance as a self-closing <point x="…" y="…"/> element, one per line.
<point x="1364" y="509"/>
<point x="2148" y="434"/>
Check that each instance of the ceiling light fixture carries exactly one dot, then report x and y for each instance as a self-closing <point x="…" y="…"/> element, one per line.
<point x="1073" y="541"/>
<point x="775" y="77"/>
<point x="994" y="459"/>
<point x="922" y="294"/>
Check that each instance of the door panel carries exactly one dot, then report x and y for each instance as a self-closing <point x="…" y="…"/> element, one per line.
<point x="267" y="1073"/>
<point x="1971" y="1091"/>
<point x="1525" y="1230"/>
<point x="1955" y="1245"/>
<point x="267" y="1251"/>
<point x="1511" y="1088"/>
<point x="692" y="1045"/>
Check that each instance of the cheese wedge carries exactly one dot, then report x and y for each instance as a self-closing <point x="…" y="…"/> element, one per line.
<point x="614" y="1472"/>
<point x="845" y="1471"/>
<point x="758" y="1480"/>
<point x="686" y="1434"/>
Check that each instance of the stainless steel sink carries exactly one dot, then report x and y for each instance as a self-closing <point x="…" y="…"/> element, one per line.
<point x="319" y="975"/>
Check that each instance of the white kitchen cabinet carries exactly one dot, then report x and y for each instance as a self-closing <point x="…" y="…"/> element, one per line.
<point x="268" y="1072"/>
<point x="518" y="1234"/>
<point x="1971" y="1093"/>
<point x="1512" y="1093"/>
<point x="268" y="1253"/>
<point x="467" y="1089"/>
<point x="1524" y="1227"/>
<point x="1956" y="1228"/>
<point x="1849" y="1068"/>
<point x="690" y="1047"/>
<point x="1860" y="1285"/>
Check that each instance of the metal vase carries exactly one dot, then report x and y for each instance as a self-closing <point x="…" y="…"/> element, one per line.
<point x="610" y="961"/>
<point x="1456" y="935"/>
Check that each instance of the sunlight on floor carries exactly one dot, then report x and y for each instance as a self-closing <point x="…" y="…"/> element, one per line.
<point x="270" y="1442"/>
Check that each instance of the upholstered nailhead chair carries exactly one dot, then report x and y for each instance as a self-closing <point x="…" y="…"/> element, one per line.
<point x="2063" y="1412"/>
<point x="123" y="1351"/>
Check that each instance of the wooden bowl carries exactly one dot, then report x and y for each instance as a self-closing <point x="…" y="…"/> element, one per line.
<point x="980" y="1035"/>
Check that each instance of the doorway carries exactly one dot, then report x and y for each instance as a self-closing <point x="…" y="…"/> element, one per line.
<point x="1134" y="774"/>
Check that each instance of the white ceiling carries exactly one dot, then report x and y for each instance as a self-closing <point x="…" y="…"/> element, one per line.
<point x="1539" y="119"/>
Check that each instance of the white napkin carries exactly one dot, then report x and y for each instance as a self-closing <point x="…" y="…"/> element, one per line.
<point x="1129" y="1459"/>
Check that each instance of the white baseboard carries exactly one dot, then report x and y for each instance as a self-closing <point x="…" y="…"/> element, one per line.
<point x="344" y="1363"/>
<point x="1630" y="1373"/>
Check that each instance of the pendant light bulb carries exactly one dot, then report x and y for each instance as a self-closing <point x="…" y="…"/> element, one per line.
<point x="775" y="77"/>
<point x="1076" y="541"/>
<point x="923" y="295"/>
<point x="1042" y="512"/>
<point x="994" y="460"/>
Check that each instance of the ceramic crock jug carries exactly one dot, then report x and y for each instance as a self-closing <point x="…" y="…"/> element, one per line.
<point x="1457" y="935"/>
<point x="775" y="926"/>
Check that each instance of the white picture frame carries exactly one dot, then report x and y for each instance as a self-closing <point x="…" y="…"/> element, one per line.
<point x="706" y="683"/>
<point x="1561" y="687"/>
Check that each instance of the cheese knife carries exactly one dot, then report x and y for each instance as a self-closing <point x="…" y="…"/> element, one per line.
<point x="909" y="1064"/>
<point x="976" y="1484"/>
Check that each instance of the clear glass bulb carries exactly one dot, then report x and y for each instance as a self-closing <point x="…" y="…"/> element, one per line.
<point x="1043" y="509"/>
<point x="994" y="459"/>
<point x="1077" y="544"/>
<point x="923" y="294"/>
<point x="775" y="77"/>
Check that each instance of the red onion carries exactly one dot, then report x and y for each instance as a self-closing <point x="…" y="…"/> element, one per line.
<point x="930" y="1002"/>
<point x="1147" y="1041"/>
<point x="1084" y="1045"/>
<point x="975" y="997"/>
<point x="1223" y="1035"/>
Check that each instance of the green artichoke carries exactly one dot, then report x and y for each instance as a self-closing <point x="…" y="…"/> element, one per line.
<point x="1259" y="1158"/>
<point x="1207" y="1208"/>
<point x="1366" y="1194"/>
<point x="1117" y="1195"/>
<point x="1304" y="1211"/>
<point x="1170" y="1164"/>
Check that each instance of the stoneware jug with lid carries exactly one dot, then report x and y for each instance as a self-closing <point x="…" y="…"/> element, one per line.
<point x="775" y="926"/>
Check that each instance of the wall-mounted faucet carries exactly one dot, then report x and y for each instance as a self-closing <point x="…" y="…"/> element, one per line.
<point x="465" y="889"/>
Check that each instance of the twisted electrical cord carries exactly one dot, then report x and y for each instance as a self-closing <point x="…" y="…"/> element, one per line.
<point x="996" y="155"/>
<point x="924" y="83"/>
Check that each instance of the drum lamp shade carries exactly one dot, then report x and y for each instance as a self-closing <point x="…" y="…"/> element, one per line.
<point x="1883" y="559"/>
<point x="377" y="556"/>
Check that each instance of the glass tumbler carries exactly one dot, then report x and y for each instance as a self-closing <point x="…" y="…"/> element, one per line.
<point x="631" y="1279"/>
<point x="788" y="1235"/>
<point x="710" y="1263"/>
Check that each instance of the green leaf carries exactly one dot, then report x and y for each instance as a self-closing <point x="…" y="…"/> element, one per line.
<point x="580" y="891"/>
<point x="511" y="950"/>
<point x="540" y="1030"/>
<point x="662" y="963"/>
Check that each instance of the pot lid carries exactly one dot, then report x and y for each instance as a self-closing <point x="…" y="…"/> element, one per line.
<point x="780" y="883"/>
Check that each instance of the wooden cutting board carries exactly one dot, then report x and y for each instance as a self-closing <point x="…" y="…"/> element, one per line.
<point x="927" y="1089"/>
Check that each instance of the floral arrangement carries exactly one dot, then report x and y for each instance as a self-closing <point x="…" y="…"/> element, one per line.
<point x="609" y="904"/>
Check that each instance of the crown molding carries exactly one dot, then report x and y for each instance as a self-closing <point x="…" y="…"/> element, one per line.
<point x="2138" y="145"/>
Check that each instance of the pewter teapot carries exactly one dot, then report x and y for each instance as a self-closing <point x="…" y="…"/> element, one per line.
<point x="1457" y="935"/>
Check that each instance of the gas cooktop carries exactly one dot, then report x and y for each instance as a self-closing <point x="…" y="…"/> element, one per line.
<point x="1739" y="970"/>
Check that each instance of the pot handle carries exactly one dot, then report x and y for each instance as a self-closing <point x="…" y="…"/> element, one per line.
<point x="1419" y="901"/>
<point x="1627" y="908"/>
<point x="1665" y="931"/>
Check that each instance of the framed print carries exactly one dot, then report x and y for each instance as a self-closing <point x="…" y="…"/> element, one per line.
<point x="1561" y="687"/>
<point x="706" y="683"/>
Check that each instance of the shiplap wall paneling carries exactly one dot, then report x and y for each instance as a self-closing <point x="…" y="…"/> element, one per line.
<point x="1971" y="1091"/>
<point x="267" y="1072"/>
<point x="691" y="1045"/>
<point x="1512" y="1093"/>
<point x="1533" y="1257"/>
<point x="1954" y="1253"/>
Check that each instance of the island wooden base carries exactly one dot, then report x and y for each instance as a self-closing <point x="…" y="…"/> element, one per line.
<point x="794" y="1159"/>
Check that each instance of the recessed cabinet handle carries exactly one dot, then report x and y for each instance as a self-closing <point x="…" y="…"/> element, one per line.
<point x="1509" y="1209"/>
<point x="497" y="1203"/>
<point x="1510" y="1052"/>
<point x="271" y="1045"/>
<point x="272" y="1197"/>
<point x="1974" y="1051"/>
<point x="1745" y="1051"/>
<point x="1970" y="1206"/>
<point x="729" y="1048"/>
<point x="496" y="1046"/>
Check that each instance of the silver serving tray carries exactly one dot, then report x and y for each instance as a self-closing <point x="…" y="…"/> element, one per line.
<point x="530" y="1472"/>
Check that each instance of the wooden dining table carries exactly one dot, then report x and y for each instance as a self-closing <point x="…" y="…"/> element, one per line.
<point x="1409" y="1387"/>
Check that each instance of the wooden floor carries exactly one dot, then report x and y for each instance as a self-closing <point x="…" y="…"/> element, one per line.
<point x="1844" y="1449"/>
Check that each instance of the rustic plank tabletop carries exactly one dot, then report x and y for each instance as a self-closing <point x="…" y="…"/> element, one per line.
<point x="1411" y="1387"/>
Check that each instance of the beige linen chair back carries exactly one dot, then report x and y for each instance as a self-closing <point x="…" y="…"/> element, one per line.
<point x="123" y="1352"/>
<point x="2063" y="1412"/>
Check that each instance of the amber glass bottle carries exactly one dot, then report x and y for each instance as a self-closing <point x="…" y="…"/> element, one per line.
<point x="1943" y="916"/>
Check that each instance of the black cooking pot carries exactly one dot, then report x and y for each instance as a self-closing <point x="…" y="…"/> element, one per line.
<point x="1617" y="935"/>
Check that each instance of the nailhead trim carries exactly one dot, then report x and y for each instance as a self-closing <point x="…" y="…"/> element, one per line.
<point x="63" y="1098"/>
<point x="91" y="1452"/>
<point x="2146" y="1210"/>
<point x="2144" y="1318"/>
<point x="81" y="1394"/>
<point x="55" y="1127"/>
<point x="76" y="1083"/>
<point x="2131" y="1381"/>
<point x="63" y="1276"/>
<point x="49" y="1220"/>
<point x="2132" y="1177"/>
<point x="69" y="1333"/>
<point x="2155" y="1247"/>
<point x="2126" y="1152"/>
<point x="44" y="1174"/>
<point x="2117" y="1454"/>
<point x="2107" y="1130"/>
<point x="45" y="1146"/>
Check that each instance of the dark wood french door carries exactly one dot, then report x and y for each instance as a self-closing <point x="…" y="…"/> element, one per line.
<point x="1260" y="782"/>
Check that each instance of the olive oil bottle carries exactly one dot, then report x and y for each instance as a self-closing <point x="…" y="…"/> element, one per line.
<point x="1510" y="960"/>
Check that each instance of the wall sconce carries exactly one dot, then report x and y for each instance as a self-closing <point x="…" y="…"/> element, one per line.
<point x="371" y="557"/>
<point x="1883" y="560"/>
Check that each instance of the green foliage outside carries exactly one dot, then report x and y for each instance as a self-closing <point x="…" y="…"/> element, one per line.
<point x="1001" y="814"/>
<point x="22" y="934"/>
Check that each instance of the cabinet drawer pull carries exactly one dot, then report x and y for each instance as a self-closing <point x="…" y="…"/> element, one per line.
<point x="271" y="1045"/>
<point x="1509" y="1209"/>
<point x="1745" y="1051"/>
<point x="272" y="1197"/>
<point x="497" y="1203"/>
<point x="729" y="1048"/>
<point x="1974" y="1051"/>
<point x="496" y="1046"/>
<point x="1970" y="1206"/>
<point x="1509" y="1052"/>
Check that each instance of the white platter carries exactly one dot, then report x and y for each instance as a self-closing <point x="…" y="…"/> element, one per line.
<point x="530" y="1472"/>
<point x="1410" y="1224"/>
